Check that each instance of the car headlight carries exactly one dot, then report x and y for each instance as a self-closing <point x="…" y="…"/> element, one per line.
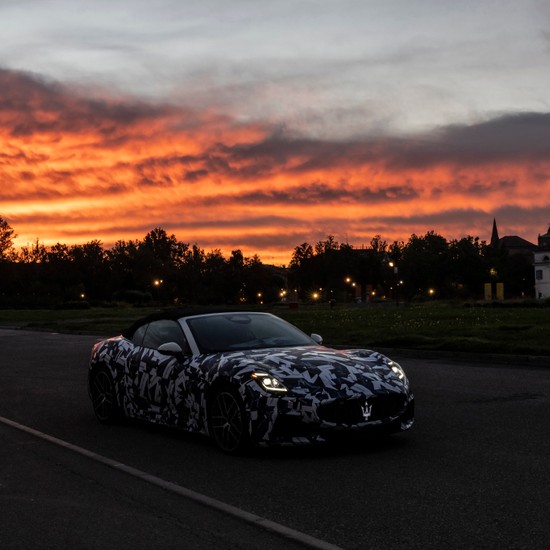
<point x="397" y="370"/>
<point x="269" y="383"/>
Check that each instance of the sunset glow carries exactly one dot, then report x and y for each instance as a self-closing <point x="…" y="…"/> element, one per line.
<point x="234" y="171"/>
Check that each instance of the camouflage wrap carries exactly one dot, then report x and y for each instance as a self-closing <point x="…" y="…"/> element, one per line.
<point x="330" y="392"/>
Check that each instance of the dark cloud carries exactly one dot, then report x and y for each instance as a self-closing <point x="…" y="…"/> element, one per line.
<point x="320" y="193"/>
<point x="246" y="221"/>
<point x="293" y="155"/>
<point x="480" y="188"/>
<point x="195" y="175"/>
<point x="508" y="138"/>
<point x="31" y="104"/>
<point x="476" y="188"/>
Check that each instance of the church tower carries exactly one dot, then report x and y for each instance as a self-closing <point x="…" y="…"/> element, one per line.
<point x="544" y="240"/>
<point x="495" y="241"/>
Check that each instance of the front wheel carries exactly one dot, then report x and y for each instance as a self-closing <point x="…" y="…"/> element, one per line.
<point x="228" y="421"/>
<point x="104" y="399"/>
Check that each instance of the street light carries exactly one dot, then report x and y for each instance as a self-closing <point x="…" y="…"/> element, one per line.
<point x="395" y="269"/>
<point x="349" y="281"/>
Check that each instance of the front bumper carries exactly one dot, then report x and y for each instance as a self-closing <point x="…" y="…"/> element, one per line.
<point x="295" y="422"/>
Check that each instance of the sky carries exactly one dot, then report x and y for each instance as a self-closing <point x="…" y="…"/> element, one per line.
<point x="259" y="125"/>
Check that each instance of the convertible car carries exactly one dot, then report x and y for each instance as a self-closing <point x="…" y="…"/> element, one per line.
<point x="245" y="378"/>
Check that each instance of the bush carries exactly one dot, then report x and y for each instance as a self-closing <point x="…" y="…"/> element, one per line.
<point x="134" y="297"/>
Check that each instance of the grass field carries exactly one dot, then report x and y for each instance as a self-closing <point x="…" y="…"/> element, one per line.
<point x="507" y="330"/>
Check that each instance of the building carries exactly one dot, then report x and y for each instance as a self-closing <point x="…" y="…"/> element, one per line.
<point x="512" y="243"/>
<point x="542" y="267"/>
<point x="540" y="256"/>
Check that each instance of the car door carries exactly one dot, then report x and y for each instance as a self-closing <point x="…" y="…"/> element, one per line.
<point x="154" y="374"/>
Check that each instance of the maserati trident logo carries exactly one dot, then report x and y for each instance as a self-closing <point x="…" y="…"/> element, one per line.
<point x="366" y="410"/>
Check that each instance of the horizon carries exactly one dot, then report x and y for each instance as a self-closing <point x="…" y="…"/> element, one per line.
<point x="251" y="253"/>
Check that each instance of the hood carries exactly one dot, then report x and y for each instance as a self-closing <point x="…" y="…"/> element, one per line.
<point x="330" y="371"/>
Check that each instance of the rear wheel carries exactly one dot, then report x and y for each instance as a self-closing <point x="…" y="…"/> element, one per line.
<point x="228" y="421"/>
<point x="104" y="402"/>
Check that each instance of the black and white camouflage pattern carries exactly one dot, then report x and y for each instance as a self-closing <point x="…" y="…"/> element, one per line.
<point x="170" y="391"/>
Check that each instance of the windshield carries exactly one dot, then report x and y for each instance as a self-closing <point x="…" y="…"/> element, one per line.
<point x="244" y="331"/>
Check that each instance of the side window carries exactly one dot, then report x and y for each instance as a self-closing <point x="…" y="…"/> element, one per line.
<point x="137" y="338"/>
<point x="161" y="332"/>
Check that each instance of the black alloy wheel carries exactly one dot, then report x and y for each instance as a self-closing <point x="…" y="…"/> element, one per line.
<point x="103" y="394"/>
<point x="228" y="421"/>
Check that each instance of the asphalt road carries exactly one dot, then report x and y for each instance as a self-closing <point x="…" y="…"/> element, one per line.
<point x="473" y="472"/>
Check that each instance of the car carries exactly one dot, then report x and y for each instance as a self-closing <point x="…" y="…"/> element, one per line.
<point x="245" y="378"/>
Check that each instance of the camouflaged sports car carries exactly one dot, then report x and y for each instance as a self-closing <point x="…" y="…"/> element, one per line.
<point x="245" y="377"/>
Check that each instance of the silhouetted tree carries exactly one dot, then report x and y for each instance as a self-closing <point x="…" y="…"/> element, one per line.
<point x="122" y="260"/>
<point x="467" y="266"/>
<point x="424" y="264"/>
<point x="302" y="273"/>
<point x="89" y="261"/>
<point x="7" y="234"/>
<point x="35" y="253"/>
<point x="172" y="271"/>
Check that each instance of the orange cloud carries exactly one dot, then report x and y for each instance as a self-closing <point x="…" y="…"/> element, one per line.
<point x="76" y="168"/>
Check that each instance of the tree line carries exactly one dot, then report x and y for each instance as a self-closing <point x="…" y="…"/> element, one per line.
<point x="162" y="269"/>
<point x="425" y="267"/>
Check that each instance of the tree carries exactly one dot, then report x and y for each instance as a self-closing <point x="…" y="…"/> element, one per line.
<point x="35" y="253"/>
<point x="89" y="261"/>
<point x="371" y="267"/>
<point x="467" y="266"/>
<point x="424" y="264"/>
<point x="302" y="253"/>
<point x="166" y="250"/>
<point x="7" y="234"/>
<point x="214" y="276"/>
<point x="301" y="270"/>
<point x="330" y="244"/>
<point x="121" y="259"/>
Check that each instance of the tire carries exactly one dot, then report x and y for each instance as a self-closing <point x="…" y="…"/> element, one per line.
<point x="228" y="421"/>
<point x="104" y="398"/>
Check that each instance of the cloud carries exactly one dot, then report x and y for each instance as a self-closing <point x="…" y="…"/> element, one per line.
<point x="320" y="193"/>
<point x="85" y="165"/>
<point x="507" y="138"/>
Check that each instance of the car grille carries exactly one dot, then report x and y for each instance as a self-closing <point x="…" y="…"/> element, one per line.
<point x="357" y="410"/>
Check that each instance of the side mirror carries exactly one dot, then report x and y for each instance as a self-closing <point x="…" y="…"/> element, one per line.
<point x="170" y="348"/>
<point x="317" y="339"/>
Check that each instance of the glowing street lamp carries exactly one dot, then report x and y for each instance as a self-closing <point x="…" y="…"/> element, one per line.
<point x="395" y="270"/>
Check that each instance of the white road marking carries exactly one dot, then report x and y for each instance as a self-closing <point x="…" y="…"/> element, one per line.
<point x="253" y="519"/>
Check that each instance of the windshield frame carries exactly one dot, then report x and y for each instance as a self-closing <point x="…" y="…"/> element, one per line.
<point x="243" y="331"/>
